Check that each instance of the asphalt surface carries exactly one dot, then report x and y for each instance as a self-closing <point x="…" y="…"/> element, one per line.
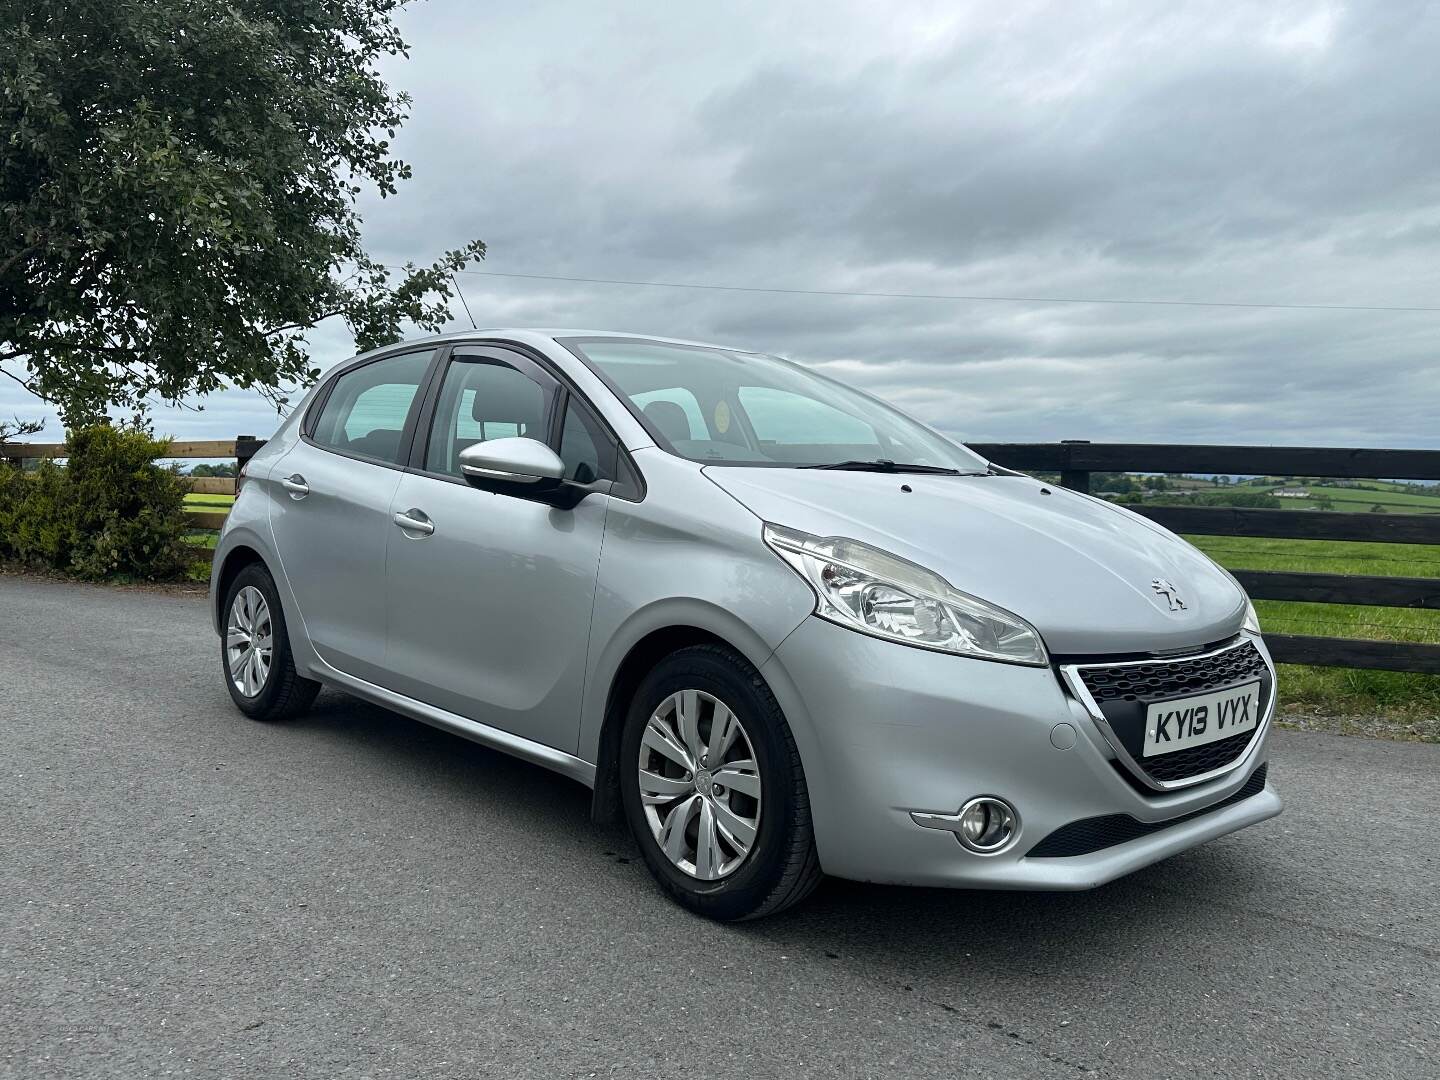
<point x="184" y="892"/>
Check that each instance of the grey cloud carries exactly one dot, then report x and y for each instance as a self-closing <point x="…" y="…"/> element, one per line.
<point x="1230" y="144"/>
<point x="1264" y="152"/>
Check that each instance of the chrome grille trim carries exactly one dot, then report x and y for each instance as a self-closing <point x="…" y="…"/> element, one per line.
<point x="1070" y="674"/>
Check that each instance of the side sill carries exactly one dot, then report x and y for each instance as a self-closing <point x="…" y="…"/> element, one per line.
<point x="515" y="745"/>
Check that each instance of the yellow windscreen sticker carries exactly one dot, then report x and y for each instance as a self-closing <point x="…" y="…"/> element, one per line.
<point x="722" y="418"/>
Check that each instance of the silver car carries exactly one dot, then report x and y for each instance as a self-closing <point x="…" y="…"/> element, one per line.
<point x="781" y="628"/>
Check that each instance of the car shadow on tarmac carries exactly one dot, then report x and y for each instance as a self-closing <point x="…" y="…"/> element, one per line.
<point x="841" y="917"/>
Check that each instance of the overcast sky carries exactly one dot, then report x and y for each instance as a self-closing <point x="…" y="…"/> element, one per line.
<point x="1274" y="153"/>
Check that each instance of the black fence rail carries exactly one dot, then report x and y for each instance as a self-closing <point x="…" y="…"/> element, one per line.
<point x="1076" y="461"/>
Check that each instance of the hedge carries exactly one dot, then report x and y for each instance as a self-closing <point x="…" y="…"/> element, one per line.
<point x="110" y="513"/>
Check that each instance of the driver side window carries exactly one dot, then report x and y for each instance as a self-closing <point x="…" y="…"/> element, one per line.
<point x="482" y="398"/>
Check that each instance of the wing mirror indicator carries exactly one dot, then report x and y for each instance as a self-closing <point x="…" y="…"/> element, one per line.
<point x="512" y="461"/>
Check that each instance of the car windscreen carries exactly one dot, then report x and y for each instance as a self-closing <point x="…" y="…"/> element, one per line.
<point x="737" y="408"/>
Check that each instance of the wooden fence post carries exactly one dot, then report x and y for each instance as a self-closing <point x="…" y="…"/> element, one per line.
<point x="246" y="447"/>
<point x="1075" y="479"/>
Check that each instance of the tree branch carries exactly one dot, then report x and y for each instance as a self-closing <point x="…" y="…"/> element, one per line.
<point x="302" y="325"/>
<point x="28" y="387"/>
<point x="22" y="253"/>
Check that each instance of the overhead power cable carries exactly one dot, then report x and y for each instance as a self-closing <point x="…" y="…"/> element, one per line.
<point x="949" y="296"/>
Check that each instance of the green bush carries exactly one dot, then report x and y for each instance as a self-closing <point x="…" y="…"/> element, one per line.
<point x="112" y="512"/>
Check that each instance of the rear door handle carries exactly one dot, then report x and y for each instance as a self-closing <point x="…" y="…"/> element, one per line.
<point x="413" y="520"/>
<point x="296" y="486"/>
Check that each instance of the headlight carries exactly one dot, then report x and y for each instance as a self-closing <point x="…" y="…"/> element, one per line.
<point x="877" y="593"/>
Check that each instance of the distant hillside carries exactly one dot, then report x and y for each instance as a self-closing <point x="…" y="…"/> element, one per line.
<point x="1269" y="492"/>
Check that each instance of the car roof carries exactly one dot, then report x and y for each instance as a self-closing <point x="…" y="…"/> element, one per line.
<point x="526" y="334"/>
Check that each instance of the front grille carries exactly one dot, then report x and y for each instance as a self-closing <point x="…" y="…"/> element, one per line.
<point x="1122" y="691"/>
<point x="1097" y="833"/>
<point x="1198" y="760"/>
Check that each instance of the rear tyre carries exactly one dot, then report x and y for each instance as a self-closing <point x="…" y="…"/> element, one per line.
<point x="713" y="787"/>
<point x="255" y="654"/>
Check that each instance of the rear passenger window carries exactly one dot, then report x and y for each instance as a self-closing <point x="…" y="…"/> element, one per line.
<point x="367" y="408"/>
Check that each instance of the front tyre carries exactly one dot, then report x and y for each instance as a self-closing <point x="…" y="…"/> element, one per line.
<point x="714" y="790"/>
<point x="255" y="651"/>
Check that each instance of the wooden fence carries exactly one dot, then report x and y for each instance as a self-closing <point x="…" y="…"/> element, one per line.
<point x="241" y="448"/>
<point x="1076" y="461"/>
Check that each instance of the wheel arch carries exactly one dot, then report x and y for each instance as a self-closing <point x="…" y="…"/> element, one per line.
<point x="236" y="559"/>
<point x="638" y="661"/>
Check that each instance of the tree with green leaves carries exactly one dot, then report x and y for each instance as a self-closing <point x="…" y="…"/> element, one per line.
<point x="178" y="185"/>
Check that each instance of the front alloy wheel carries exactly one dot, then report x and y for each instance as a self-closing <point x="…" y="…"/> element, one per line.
<point x="699" y="784"/>
<point x="713" y="788"/>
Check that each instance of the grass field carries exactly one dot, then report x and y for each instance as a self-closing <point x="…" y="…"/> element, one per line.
<point x="1356" y="497"/>
<point x="1413" y="700"/>
<point x="1360" y="500"/>
<point x="204" y="538"/>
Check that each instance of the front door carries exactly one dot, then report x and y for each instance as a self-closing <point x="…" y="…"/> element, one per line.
<point x="490" y="595"/>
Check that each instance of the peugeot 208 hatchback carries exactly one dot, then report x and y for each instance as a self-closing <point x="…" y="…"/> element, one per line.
<point x="782" y="628"/>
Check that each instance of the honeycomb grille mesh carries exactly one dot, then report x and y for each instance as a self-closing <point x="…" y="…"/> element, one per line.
<point x="1174" y="678"/>
<point x="1123" y="692"/>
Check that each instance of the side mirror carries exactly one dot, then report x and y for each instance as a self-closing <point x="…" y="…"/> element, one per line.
<point x="502" y="464"/>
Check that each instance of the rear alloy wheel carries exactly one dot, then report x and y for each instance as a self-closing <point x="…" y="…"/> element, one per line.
<point x="713" y="787"/>
<point x="249" y="641"/>
<point x="259" y="668"/>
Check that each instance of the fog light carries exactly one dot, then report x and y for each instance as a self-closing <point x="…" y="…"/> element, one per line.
<point x="986" y="824"/>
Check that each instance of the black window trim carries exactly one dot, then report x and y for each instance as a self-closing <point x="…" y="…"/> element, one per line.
<point x="425" y="420"/>
<point x="630" y="483"/>
<point x="585" y="409"/>
<point x="438" y="350"/>
<point x="625" y="464"/>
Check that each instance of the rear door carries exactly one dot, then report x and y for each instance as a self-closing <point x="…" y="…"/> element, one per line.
<point x="490" y="602"/>
<point x="331" y="519"/>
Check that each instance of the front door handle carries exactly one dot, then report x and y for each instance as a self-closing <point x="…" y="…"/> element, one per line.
<point x="413" y="520"/>
<point x="296" y="486"/>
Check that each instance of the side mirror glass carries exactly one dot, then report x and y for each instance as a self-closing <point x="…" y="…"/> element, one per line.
<point x="516" y="461"/>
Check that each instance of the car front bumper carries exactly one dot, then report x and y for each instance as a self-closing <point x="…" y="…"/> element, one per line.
<point x="886" y="730"/>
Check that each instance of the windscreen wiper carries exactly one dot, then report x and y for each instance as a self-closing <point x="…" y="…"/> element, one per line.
<point x="885" y="465"/>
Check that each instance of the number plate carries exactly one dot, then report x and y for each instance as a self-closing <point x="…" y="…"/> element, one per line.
<point x="1181" y="723"/>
